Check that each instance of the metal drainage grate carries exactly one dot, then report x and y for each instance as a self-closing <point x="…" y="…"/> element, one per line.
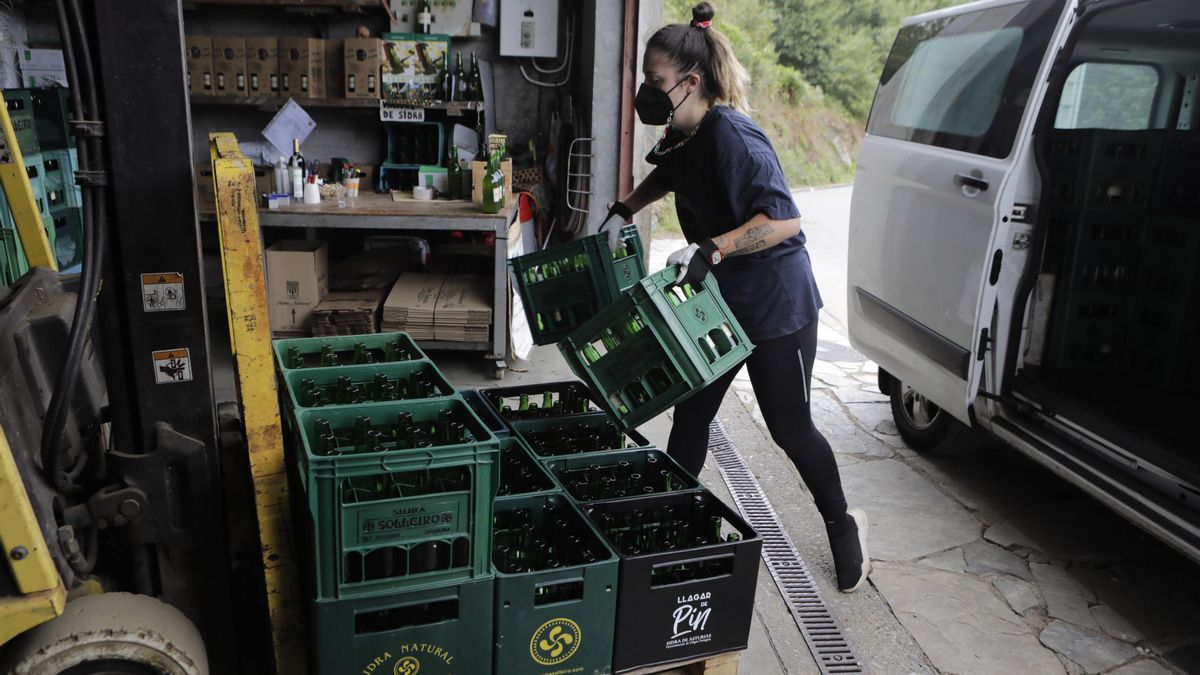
<point x="830" y="647"/>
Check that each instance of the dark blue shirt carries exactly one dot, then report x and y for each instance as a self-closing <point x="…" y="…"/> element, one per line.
<point x="723" y="176"/>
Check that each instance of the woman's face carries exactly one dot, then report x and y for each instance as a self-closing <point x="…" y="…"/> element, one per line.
<point x="682" y="86"/>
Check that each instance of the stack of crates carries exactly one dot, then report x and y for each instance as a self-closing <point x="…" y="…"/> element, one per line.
<point x="1100" y="188"/>
<point x="398" y="479"/>
<point x="565" y="285"/>
<point x="19" y="103"/>
<point x="60" y="161"/>
<point x="656" y="345"/>
<point x="681" y="582"/>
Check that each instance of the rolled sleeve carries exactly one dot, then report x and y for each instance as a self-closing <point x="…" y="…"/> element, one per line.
<point x="756" y="185"/>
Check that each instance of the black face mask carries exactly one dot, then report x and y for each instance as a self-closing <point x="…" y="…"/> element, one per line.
<point x="653" y="105"/>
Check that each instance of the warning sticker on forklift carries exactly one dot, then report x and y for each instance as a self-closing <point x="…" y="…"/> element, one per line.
<point x="172" y="365"/>
<point x="162" y="292"/>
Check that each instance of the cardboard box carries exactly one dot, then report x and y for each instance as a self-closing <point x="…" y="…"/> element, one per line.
<point x="297" y="281"/>
<point x="302" y="67"/>
<point x="477" y="169"/>
<point x="348" y="313"/>
<point x="334" y="72"/>
<point x="229" y="65"/>
<point x="405" y="71"/>
<point x="200" y="65"/>
<point x="41" y="59"/>
<point x="262" y="66"/>
<point x="361" y="60"/>
<point x="411" y="304"/>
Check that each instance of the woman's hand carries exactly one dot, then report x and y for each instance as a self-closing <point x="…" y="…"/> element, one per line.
<point x="613" y="228"/>
<point x="695" y="261"/>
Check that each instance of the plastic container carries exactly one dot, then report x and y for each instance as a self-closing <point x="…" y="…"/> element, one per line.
<point x="552" y="437"/>
<point x="567" y="397"/>
<point x="687" y="603"/>
<point x="520" y="473"/>
<point x="656" y="346"/>
<point x="403" y="380"/>
<point x="1088" y="330"/>
<point x="557" y="620"/>
<point x="620" y="475"/>
<point x="436" y="631"/>
<point x="294" y="353"/>
<point x="480" y="406"/>
<point x="398" y="518"/>
<point x="565" y="285"/>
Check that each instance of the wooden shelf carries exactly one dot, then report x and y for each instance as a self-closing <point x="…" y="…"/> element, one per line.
<point x="274" y="102"/>
<point x="354" y="6"/>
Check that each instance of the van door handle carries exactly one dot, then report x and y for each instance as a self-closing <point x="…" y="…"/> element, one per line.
<point x="971" y="181"/>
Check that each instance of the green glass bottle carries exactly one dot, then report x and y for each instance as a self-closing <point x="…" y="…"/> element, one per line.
<point x="293" y="358"/>
<point x="454" y="173"/>
<point x="590" y="354"/>
<point x="493" y="185"/>
<point x="328" y="356"/>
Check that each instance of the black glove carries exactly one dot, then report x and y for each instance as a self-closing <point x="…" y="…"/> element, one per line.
<point x="613" y="229"/>
<point x="695" y="261"/>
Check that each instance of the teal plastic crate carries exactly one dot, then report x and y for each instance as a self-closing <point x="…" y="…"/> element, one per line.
<point x="52" y="116"/>
<point x="520" y="472"/>
<point x="558" y="615"/>
<point x="397" y="518"/>
<point x="436" y="631"/>
<point x="68" y="239"/>
<point x="620" y="475"/>
<point x="656" y="346"/>
<point x="565" y="285"/>
<point x="20" y="110"/>
<point x="381" y="348"/>
<point x="580" y="434"/>
<point x="365" y="384"/>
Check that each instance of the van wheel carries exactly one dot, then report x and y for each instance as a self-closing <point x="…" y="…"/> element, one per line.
<point x="111" y="633"/>
<point x="922" y="424"/>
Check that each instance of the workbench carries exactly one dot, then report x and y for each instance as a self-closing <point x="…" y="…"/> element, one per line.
<point x="380" y="211"/>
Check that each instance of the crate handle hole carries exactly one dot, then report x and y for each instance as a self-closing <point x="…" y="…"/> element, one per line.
<point x="405" y="616"/>
<point x="548" y="594"/>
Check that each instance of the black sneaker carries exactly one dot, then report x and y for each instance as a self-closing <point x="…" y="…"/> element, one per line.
<point x="848" y="542"/>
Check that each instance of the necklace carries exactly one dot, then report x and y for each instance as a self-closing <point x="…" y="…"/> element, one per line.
<point x="658" y="152"/>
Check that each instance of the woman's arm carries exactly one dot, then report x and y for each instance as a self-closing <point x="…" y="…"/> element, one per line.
<point x="646" y="193"/>
<point x="759" y="233"/>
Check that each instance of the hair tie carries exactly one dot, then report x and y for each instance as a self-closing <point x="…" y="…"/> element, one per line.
<point x="701" y="24"/>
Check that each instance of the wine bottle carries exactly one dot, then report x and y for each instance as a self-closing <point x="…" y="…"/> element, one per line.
<point x="425" y="18"/>
<point x="296" y="164"/>
<point x="461" y="84"/>
<point x="476" y="87"/>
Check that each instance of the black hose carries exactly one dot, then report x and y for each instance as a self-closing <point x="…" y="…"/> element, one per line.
<point x="94" y="207"/>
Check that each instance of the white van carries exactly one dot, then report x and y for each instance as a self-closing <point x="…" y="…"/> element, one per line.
<point x="1025" y="242"/>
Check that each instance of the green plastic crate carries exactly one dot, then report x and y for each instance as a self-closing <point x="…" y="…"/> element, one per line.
<point x="620" y="475"/>
<point x="553" y="620"/>
<point x="68" y="238"/>
<point x="520" y="473"/>
<point x="364" y="379"/>
<point x="565" y="285"/>
<point x="656" y="346"/>
<point x="436" y="631"/>
<point x="368" y="536"/>
<point x="343" y="346"/>
<point x="1088" y="330"/>
<point x="551" y="437"/>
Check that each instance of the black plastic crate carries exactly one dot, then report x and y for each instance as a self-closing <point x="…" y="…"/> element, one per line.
<point x="556" y="589"/>
<point x="1101" y="252"/>
<point x="576" y="435"/>
<point x="520" y="473"/>
<point x="435" y="631"/>
<point x="620" y="475"/>
<point x="691" y="602"/>
<point x="528" y="401"/>
<point x="1175" y="192"/>
<point x="479" y="405"/>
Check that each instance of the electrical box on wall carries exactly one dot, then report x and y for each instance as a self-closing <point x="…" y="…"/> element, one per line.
<point x="529" y="28"/>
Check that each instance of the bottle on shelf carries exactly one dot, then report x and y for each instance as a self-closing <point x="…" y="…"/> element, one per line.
<point x="296" y="169"/>
<point x="461" y="84"/>
<point x="283" y="182"/>
<point x="476" y="86"/>
<point x="454" y="173"/>
<point x="493" y="183"/>
<point x="425" y="18"/>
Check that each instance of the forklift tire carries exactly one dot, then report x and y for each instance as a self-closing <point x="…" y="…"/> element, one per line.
<point x="921" y="423"/>
<point x="117" y="633"/>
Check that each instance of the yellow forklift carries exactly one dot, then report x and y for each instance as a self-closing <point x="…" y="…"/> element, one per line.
<point x="144" y="528"/>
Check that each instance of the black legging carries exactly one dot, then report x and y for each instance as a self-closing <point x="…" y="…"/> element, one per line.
<point x="781" y="372"/>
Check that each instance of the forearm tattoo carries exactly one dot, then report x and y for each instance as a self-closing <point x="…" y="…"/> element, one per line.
<point x="753" y="239"/>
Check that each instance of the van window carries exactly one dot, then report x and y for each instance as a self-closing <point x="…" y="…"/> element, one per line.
<point x="961" y="81"/>
<point x="1108" y="96"/>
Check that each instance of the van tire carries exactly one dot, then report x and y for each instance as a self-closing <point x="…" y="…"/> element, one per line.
<point x="921" y="423"/>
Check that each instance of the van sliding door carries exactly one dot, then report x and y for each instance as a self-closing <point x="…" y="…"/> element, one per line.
<point x="947" y="129"/>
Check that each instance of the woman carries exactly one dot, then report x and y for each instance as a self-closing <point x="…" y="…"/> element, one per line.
<point x="742" y="224"/>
